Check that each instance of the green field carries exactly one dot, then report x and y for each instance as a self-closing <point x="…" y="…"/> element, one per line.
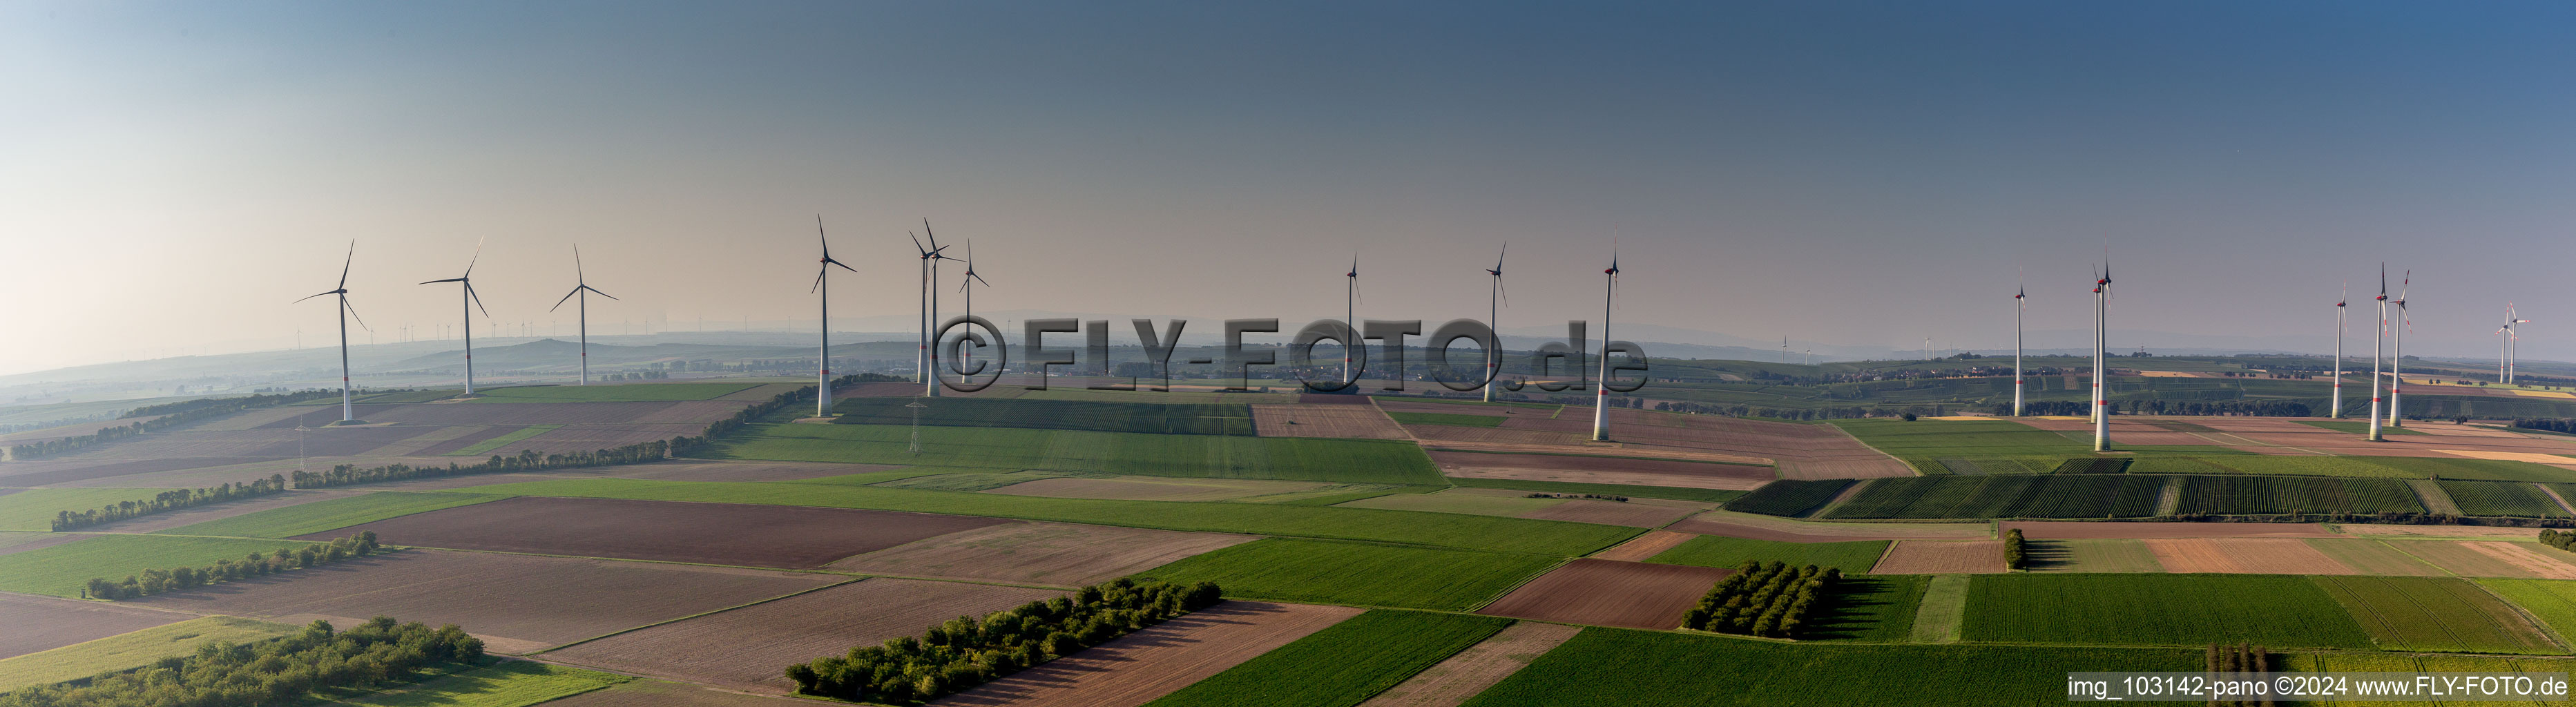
<point x="966" y="480"/>
<point x="1359" y="574"/>
<point x="1342" y="665"/>
<point x="2436" y="614"/>
<point x="1476" y="503"/>
<point x="1604" y="667"/>
<point x="1944" y="609"/>
<point x="1556" y="538"/>
<point x="1720" y="551"/>
<point x="333" y="514"/>
<point x="2551" y="601"/>
<point x="1666" y="492"/>
<point x="1450" y="419"/>
<point x="1875" y="609"/>
<point x="2359" y="467"/>
<point x="1010" y="448"/>
<point x="2358" y="428"/>
<point x="2004" y="496"/>
<point x="1149" y="417"/>
<point x="1789" y="498"/>
<point x="34" y="509"/>
<point x="2280" y="611"/>
<point x="486" y="446"/>
<point x="508" y="683"/>
<point x="614" y="393"/>
<point x="62" y="570"/>
<point x="2258" y="495"/>
<point x="130" y="650"/>
<point x="2502" y="498"/>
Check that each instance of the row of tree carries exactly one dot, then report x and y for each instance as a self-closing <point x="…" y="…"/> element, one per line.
<point x="765" y="408"/>
<point x="284" y="670"/>
<point x="170" y="500"/>
<point x="525" y="460"/>
<point x="160" y="417"/>
<point x="2014" y="555"/>
<point x="1762" y="599"/>
<point x="2559" y="425"/>
<point x="964" y="652"/>
<point x="287" y="558"/>
<point x="2240" y="658"/>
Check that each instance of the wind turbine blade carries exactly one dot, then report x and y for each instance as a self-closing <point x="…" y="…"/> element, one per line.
<point x="829" y="260"/>
<point x="566" y="298"/>
<point x="353" y="313"/>
<point x="478" y="300"/>
<point x="1498" y="259"/>
<point x="595" y="291"/>
<point x="818" y="281"/>
<point x="344" y="265"/>
<point x="478" y="257"/>
<point x="318" y="294"/>
<point x="818" y="237"/>
<point x="452" y="279"/>
<point x="916" y="243"/>
<point x="978" y="278"/>
<point x="934" y="235"/>
<point x="1506" y="291"/>
<point x="576" y="264"/>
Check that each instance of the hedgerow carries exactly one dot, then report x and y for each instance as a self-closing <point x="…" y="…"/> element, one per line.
<point x="964" y="652"/>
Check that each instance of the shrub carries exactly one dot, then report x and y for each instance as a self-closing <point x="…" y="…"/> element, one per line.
<point x="1762" y="599"/>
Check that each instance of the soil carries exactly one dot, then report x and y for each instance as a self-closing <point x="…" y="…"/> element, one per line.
<point x="1140" y="667"/>
<point x="1631" y="514"/>
<point x="1610" y="593"/>
<point x="747" y="648"/>
<point x="670" y="531"/>
<point x="1601" y="470"/>
<point x="1451" y="682"/>
<point x="1942" y="557"/>
<point x="2244" y="556"/>
<point x="45" y="623"/>
<point x="1637" y="549"/>
<point x="1061" y="554"/>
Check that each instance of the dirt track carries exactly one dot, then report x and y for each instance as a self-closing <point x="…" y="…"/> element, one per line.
<point x="746" y="648"/>
<point x="1139" y="667"/>
<point x="1610" y="593"/>
<point x="671" y="531"/>
<point x="1453" y="681"/>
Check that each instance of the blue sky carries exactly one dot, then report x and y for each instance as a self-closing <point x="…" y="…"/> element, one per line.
<point x="1856" y="173"/>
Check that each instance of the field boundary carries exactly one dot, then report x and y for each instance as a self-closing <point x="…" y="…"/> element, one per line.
<point x="1516" y="586"/>
<point x="691" y="616"/>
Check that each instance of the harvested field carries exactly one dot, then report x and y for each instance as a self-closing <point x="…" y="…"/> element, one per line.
<point x="1137" y="668"/>
<point x="1637" y="549"/>
<point x="1811" y="451"/>
<point x="752" y="643"/>
<point x="2243" y="556"/>
<point x="1632" y="513"/>
<point x="1506" y="411"/>
<point x="517" y="603"/>
<point x="1139" y="488"/>
<point x="1610" y="593"/>
<point x="1761" y="527"/>
<point x="742" y="471"/>
<point x="2374" y="557"/>
<point x="2489" y="559"/>
<point x="1601" y="470"/>
<point x="1854" y="557"/>
<point x="1452" y="681"/>
<point x="44" y="623"/>
<point x="2454" y="532"/>
<point x="712" y="533"/>
<point x="1324" y="421"/>
<point x="1041" y="553"/>
<point x="656" y="693"/>
<point x="2090" y="556"/>
<point x="1942" y="557"/>
<point x="2077" y="530"/>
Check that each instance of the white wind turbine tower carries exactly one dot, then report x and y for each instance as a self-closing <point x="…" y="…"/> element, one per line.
<point x="930" y="258"/>
<point x="1493" y="318"/>
<point x="1601" y="389"/>
<point x="2378" y="345"/>
<point x="476" y="302"/>
<point x="581" y="286"/>
<point x="822" y="286"/>
<point x="1350" y="314"/>
<point x="2337" y="412"/>
<point x="2020" y="307"/>
<point x="2101" y="401"/>
<point x="967" y="284"/>
<point x="348" y="412"/>
<point x="2397" y="352"/>
<point x="2506" y="336"/>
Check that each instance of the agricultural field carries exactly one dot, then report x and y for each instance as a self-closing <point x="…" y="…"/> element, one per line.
<point x="1343" y="665"/>
<point x="507" y="683"/>
<point x="1854" y="557"/>
<point x="2110" y="555"/>
<point x="1609" y="667"/>
<point x="1789" y="498"/>
<point x="62" y="570"/>
<point x="2279" y="611"/>
<point x="332" y="514"/>
<point x="2489" y="558"/>
<point x="1137" y="668"/>
<point x="2373" y="557"/>
<point x="1557" y="538"/>
<point x="1059" y="554"/>
<point x="2437" y="614"/>
<point x="1942" y="557"/>
<point x="128" y="650"/>
<point x="1217" y="456"/>
<point x="2004" y="496"/>
<point x="1674" y="493"/>
<point x="1476" y="501"/>
<point x="1610" y="593"/>
<point x="2552" y="602"/>
<point x="612" y="393"/>
<point x="965" y="480"/>
<point x="487" y="446"/>
<point x="2068" y="530"/>
<point x="1359" y="574"/>
<point x="46" y="623"/>
<point x="1471" y="671"/>
<point x="1634" y="513"/>
<point x="754" y="536"/>
<point x="760" y="639"/>
<point x="2264" y="495"/>
<point x="34" y="509"/>
<point x="1606" y="471"/>
<point x="1148" y="488"/>
<point x="1868" y="609"/>
<point x="2499" y="498"/>
<point x="1352" y="421"/>
<point x="1449" y="419"/>
<point x="2243" y="556"/>
<point x="1150" y="417"/>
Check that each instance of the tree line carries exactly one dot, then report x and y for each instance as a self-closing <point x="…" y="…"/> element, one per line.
<point x="287" y="558"/>
<point x="2239" y="658"/>
<point x="964" y="652"/>
<point x="1762" y="599"/>
<point x="168" y="501"/>
<point x="165" y="416"/>
<point x="283" y="670"/>
<point x="765" y="408"/>
<point x="2547" y="424"/>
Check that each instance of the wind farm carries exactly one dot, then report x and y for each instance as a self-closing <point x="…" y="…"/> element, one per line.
<point x="1781" y="461"/>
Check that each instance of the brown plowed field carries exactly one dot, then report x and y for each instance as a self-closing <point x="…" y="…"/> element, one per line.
<point x="1601" y="470"/>
<point x="517" y="603"/>
<point x="1610" y="593"/>
<point x="1942" y="557"/>
<point x="1401" y="405"/>
<point x="655" y="693"/>
<point x="45" y="623"/>
<point x="1450" y="682"/>
<point x="2243" y="556"/>
<point x="1637" y="549"/>
<point x="742" y="471"/>
<point x="73" y="471"/>
<point x="1812" y="451"/>
<point x="1324" y="421"/>
<point x="1139" y="667"/>
<point x="1061" y="554"/>
<point x="1334" y="399"/>
<point x="81" y="429"/>
<point x="711" y="533"/>
<point x="746" y="648"/>
<point x="2078" y="530"/>
<point x="1633" y="514"/>
<point x="1736" y="525"/>
<point x="2523" y="558"/>
<point x="2391" y="530"/>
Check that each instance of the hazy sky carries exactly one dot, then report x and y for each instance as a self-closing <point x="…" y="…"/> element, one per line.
<point x="1860" y="173"/>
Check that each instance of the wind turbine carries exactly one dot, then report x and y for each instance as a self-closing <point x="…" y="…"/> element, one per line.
<point x="930" y="258"/>
<point x="1350" y="316"/>
<point x="2378" y="345"/>
<point x="1601" y="391"/>
<point x="967" y="284"/>
<point x="2020" y="307"/>
<point x="468" y="298"/>
<point x="2338" y="357"/>
<point x="581" y="286"/>
<point x="1493" y="318"/>
<point x="2505" y="343"/>
<point x="1784" y="349"/>
<point x="822" y="286"/>
<point x="2101" y="402"/>
<point x="2397" y="352"/>
<point x="348" y="412"/>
